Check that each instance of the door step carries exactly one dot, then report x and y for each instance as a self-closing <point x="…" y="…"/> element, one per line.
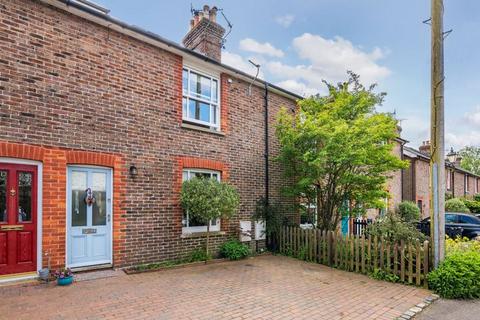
<point x="93" y="268"/>
<point x="18" y="277"/>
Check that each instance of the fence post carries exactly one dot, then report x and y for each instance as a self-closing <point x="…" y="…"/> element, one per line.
<point x="402" y="261"/>
<point x="410" y="263"/>
<point x="381" y="254"/>
<point x="369" y="254"/>
<point x="363" y="253"/>
<point x="329" y="248"/>
<point x="388" y="257"/>
<point x="395" y="258"/>
<point x="357" y="253"/>
<point x="375" y="252"/>
<point x="418" y="260"/>
<point x="425" y="262"/>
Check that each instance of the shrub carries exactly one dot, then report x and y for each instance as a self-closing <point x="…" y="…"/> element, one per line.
<point x="234" y="250"/>
<point x="408" y="211"/>
<point x="458" y="276"/>
<point x="384" y="276"/>
<point x="392" y="228"/>
<point x="199" y="254"/>
<point x="456" y="205"/>
<point x="460" y="245"/>
<point x="472" y="205"/>
<point x="476" y="197"/>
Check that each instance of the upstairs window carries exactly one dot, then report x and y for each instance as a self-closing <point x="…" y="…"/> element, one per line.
<point x="200" y="99"/>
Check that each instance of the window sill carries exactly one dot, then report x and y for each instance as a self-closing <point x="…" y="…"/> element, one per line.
<point x="200" y="128"/>
<point x="202" y="234"/>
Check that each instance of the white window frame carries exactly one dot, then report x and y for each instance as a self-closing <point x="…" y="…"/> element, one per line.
<point x="449" y="179"/>
<point x="186" y="94"/>
<point x="187" y="175"/>
<point x="466" y="183"/>
<point x="476" y="185"/>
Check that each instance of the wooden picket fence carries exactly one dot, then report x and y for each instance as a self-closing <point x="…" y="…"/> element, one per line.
<point x="409" y="261"/>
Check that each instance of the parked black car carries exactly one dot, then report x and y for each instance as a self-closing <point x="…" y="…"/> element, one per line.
<point x="456" y="224"/>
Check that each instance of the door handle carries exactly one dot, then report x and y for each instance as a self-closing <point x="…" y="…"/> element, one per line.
<point x="108" y="217"/>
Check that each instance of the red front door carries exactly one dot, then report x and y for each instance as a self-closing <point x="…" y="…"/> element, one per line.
<point x="18" y="218"/>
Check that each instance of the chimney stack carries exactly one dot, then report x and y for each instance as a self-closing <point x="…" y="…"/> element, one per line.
<point x="205" y="35"/>
<point x="425" y="148"/>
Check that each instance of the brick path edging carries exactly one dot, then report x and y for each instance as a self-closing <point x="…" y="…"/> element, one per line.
<point x="414" y="311"/>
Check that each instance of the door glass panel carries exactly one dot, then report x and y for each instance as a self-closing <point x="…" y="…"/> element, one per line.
<point x="99" y="209"/>
<point x="24" y="196"/>
<point x="3" y="196"/>
<point x="79" y="207"/>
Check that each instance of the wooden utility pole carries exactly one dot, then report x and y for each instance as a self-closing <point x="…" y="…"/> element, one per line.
<point x="437" y="160"/>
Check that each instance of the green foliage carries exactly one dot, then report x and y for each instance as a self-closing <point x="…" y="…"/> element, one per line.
<point x="461" y="245"/>
<point x="234" y="250"/>
<point x="392" y="228"/>
<point x="156" y="265"/>
<point x="199" y="254"/>
<point x="338" y="148"/>
<point x="274" y="215"/>
<point x="472" y="205"/>
<point x="408" y="211"/>
<point x="458" y="276"/>
<point x="209" y="199"/>
<point x="448" y="196"/>
<point x="384" y="276"/>
<point x="470" y="159"/>
<point x="456" y="205"/>
<point x="476" y="197"/>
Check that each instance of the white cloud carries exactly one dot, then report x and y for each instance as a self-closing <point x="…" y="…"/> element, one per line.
<point x="330" y="59"/>
<point x="460" y="140"/>
<point x="265" y="48"/>
<point x="297" y="87"/>
<point x="240" y="63"/>
<point x="285" y="20"/>
<point x="473" y="117"/>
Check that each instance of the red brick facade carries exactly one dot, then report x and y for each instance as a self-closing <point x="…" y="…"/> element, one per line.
<point x="74" y="92"/>
<point x="55" y="161"/>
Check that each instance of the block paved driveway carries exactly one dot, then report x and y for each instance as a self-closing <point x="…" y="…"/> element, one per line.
<point x="266" y="287"/>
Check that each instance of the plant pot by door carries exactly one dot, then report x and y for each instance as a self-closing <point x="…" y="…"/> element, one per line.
<point x="65" y="281"/>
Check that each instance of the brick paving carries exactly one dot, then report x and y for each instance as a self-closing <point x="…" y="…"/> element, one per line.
<point x="267" y="287"/>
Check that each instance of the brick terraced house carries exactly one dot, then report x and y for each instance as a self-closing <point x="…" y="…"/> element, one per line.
<point x="100" y="122"/>
<point x="415" y="185"/>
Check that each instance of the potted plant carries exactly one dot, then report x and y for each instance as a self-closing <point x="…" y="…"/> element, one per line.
<point x="64" y="276"/>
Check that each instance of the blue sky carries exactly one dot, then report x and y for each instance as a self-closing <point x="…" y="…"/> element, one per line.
<point x="299" y="43"/>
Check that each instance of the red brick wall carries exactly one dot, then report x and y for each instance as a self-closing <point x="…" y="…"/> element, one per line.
<point x="68" y="83"/>
<point x="394" y="184"/>
<point x="422" y="182"/>
<point x="459" y="184"/>
<point x="55" y="161"/>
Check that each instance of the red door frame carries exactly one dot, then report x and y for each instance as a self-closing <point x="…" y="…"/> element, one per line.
<point x="11" y="238"/>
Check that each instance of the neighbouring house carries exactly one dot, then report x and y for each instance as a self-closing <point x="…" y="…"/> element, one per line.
<point x="416" y="178"/>
<point x="101" y="121"/>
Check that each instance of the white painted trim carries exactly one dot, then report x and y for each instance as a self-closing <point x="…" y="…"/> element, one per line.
<point x="39" y="201"/>
<point x="110" y="170"/>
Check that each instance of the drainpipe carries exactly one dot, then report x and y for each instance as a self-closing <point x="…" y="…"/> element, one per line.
<point x="267" y="156"/>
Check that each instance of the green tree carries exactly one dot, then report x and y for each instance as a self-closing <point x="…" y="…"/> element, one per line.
<point x="409" y="212"/>
<point x="337" y="148"/>
<point x="208" y="199"/>
<point x="456" y="205"/>
<point x="470" y="159"/>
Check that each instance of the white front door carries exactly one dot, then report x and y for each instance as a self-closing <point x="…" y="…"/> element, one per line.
<point x="89" y="215"/>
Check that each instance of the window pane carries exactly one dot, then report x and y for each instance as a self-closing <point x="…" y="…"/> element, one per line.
<point x="79" y="207"/>
<point x="3" y="196"/>
<point x="24" y="196"/>
<point x="184" y="107"/>
<point x="469" y="220"/>
<point x="194" y="222"/>
<point x="199" y="110"/>
<point x="99" y="208"/>
<point x="185" y="81"/>
<point x="200" y="86"/>
<point x="214" y="91"/>
<point x="450" y="218"/>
